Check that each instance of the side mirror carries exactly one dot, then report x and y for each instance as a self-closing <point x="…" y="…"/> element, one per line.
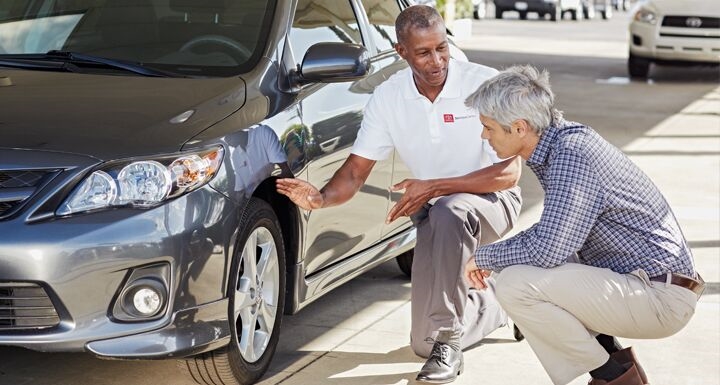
<point x="332" y="63"/>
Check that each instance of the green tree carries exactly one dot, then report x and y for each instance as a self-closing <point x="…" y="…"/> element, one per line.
<point x="463" y="8"/>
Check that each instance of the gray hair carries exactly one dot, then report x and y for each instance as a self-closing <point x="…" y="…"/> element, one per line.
<point x="416" y="16"/>
<point x="519" y="92"/>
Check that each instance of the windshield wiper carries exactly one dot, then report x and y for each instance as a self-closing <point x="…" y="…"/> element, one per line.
<point x="120" y="64"/>
<point x="36" y="63"/>
<point x="78" y="59"/>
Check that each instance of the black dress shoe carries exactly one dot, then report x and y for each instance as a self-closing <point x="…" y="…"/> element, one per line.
<point x="444" y="364"/>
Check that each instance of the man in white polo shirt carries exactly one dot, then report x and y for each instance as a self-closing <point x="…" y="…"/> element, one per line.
<point x="463" y="195"/>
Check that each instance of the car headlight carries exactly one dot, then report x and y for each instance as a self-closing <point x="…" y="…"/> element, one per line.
<point x="143" y="183"/>
<point x="645" y="15"/>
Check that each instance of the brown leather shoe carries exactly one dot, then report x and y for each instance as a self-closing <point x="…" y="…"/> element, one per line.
<point x="626" y="356"/>
<point x="630" y="377"/>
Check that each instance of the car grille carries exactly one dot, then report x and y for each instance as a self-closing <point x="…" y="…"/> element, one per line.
<point x="25" y="306"/>
<point x="691" y="22"/>
<point x="16" y="186"/>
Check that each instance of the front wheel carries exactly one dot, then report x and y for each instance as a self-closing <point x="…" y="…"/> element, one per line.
<point x="256" y="292"/>
<point x="638" y="67"/>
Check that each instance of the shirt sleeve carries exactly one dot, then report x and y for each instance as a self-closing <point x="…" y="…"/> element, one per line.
<point x="573" y="203"/>
<point x="373" y="140"/>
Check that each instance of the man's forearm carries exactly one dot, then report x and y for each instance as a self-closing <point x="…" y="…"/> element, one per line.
<point x="500" y="176"/>
<point x="339" y="190"/>
<point x="346" y="181"/>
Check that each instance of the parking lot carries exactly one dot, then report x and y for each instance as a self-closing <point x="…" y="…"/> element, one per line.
<point x="358" y="334"/>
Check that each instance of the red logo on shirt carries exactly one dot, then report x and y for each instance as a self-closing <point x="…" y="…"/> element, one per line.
<point x="448" y="118"/>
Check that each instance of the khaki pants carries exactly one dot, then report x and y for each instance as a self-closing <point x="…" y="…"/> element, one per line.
<point x="561" y="310"/>
<point x="448" y="232"/>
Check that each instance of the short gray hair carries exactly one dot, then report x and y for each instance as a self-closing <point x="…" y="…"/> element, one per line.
<point x="416" y="16"/>
<point x="519" y="92"/>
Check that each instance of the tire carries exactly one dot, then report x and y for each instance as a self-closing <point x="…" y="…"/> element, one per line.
<point x="257" y="300"/>
<point x="638" y="67"/>
<point x="556" y="14"/>
<point x="575" y="15"/>
<point x="625" y="4"/>
<point x="405" y="261"/>
<point x="523" y="15"/>
<point x="480" y="12"/>
<point x="498" y="13"/>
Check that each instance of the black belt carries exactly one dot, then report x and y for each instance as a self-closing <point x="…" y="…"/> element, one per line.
<point x="697" y="286"/>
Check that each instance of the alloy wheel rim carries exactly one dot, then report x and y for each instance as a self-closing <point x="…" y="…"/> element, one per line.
<point x="256" y="294"/>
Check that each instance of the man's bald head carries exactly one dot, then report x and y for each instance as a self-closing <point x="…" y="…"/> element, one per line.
<point x="416" y="16"/>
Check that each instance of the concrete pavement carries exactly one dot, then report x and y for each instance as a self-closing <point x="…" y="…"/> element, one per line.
<point x="359" y="334"/>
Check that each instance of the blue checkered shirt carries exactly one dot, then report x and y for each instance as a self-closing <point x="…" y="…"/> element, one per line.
<point x="599" y="206"/>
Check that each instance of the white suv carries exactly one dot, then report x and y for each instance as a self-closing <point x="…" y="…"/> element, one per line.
<point x="674" y="32"/>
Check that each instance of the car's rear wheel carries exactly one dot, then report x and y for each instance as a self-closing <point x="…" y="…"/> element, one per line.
<point x="638" y="67"/>
<point x="574" y="14"/>
<point x="556" y="13"/>
<point x="256" y="292"/>
<point x="405" y="261"/>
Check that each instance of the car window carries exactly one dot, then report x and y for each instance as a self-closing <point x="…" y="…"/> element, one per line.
<point x="382" y="15"/>
<point x="323" y="21"/>
<point x="204" y="38"/>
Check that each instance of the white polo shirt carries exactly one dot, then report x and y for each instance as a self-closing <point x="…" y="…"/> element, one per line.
<point x="435" y="140"/>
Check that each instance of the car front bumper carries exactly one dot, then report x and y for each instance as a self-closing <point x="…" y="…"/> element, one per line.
<point x="83" y="263"/>
<point x="675" y="44"/>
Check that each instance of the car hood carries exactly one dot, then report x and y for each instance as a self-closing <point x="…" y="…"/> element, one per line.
<point x="110" y="117"/>
<point x="686" y="7"/>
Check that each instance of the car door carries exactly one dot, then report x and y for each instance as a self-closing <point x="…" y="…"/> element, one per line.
<point x="381" y="15"/>
<point x="332" y="114"/>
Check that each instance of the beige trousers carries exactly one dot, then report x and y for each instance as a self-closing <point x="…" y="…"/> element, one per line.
<point x="561" y="310"/>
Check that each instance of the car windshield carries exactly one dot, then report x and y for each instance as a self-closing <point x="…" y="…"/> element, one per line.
<point x="186" y="37"/>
